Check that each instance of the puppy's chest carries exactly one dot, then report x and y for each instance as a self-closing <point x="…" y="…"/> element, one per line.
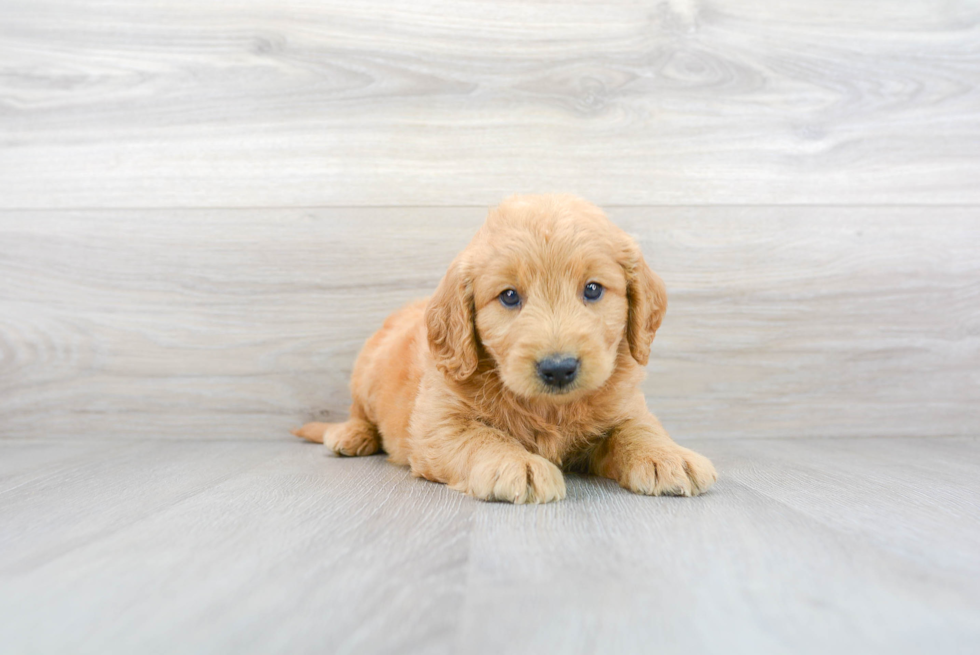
<point x="560" y="441"/>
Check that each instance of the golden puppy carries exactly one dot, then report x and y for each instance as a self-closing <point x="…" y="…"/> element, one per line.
<point x="527" y="360"/>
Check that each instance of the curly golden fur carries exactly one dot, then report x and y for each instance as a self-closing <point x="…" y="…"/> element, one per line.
<point x="452" y="387"/>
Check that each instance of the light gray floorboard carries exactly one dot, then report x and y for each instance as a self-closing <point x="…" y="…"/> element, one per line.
<point x="804" y="546"/>
<point x="217" y="103"/>
<point x="783" y="321"/>
<point x="140" y="478"/>
<point x="293" y="552"/>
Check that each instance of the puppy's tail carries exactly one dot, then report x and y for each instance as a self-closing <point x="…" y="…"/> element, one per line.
<point x="311" y="432"/>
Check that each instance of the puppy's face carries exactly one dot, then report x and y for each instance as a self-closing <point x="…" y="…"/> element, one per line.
<point x="550" y="302"/>
<point x="549" y="289"/>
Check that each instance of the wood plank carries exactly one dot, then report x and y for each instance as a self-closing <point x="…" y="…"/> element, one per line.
<point x="29" y="462"/>
<point x="857" y="486"/>
<point x="783" y="321"/>
<point x="280" y="548"/>
<point x="298" y="552"/>
<point x="250" y="103"/>
<point x="735" y="570"/>
<point x="134" y="480"/>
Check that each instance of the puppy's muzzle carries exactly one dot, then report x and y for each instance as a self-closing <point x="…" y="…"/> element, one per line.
<point x="558" y="371"/>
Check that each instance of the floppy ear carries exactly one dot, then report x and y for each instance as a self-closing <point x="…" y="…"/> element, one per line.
<point x="647" y="297"/>
<point x="450" y="324"/>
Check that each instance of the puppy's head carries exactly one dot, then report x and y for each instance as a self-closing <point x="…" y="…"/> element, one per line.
<point x="548" y="288"/>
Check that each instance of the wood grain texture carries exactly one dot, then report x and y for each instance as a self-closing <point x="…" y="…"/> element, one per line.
<point x="206" y="547"/>
<point x="783" y="321"/>
<point x="804" y="546"/>
<point x="776" y="560"/>
<point x="174" y="103"/>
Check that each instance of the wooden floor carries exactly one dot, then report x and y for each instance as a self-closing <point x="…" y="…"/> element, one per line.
<point x="804" y="546"/>
<point x="207" y="206"/>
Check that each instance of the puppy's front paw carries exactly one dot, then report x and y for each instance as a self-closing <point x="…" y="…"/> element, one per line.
<point x="515" y="479"/>
<point x="672" y="471"/>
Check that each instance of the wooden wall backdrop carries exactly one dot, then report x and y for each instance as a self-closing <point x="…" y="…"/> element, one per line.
<point x="783" y="321"/>
<point x="245" y="103"/>
<point x="206" y="207"/>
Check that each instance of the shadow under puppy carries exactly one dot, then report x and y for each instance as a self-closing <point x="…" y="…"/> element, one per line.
<point x="527" y="360"/>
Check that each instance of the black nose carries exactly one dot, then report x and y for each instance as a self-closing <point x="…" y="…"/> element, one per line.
<point x="558" y="371"/>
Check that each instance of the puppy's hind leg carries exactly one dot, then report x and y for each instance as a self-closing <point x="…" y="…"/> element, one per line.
<point x="353" y="438"/>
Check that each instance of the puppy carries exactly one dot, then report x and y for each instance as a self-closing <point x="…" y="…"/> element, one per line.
<point x="526" y="361"/>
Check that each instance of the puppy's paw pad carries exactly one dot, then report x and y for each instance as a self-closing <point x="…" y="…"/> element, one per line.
<point x="700" y="471"/>
<point x="352" y="439"/>
<point x="518" y="480"/>
<point x="669" y="472"/>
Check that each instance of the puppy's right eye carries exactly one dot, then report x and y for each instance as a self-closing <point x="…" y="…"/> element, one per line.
<point x="510" y="299"/>
<point x="593" y="291"/>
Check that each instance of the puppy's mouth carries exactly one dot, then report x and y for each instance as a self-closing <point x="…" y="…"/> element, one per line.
<point x="558" y="390"/>
<point x="562" y="397"/>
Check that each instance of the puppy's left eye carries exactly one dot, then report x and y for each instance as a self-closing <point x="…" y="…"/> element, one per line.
<point x="510" y="298"/>
<point x="593" y="291"/>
